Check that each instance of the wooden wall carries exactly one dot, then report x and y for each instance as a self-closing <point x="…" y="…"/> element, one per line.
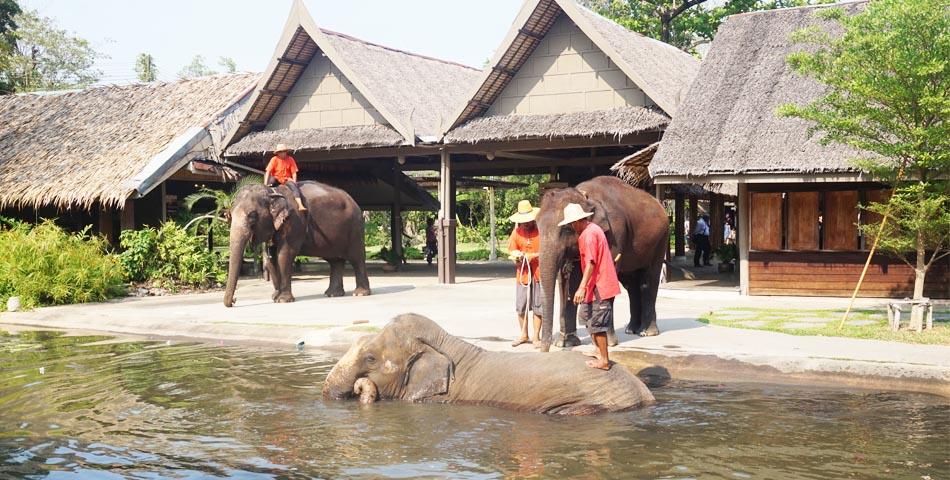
<point x="835" y="274"/>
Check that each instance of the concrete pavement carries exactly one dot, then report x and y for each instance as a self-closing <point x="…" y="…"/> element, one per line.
<point x="480" y="309"/>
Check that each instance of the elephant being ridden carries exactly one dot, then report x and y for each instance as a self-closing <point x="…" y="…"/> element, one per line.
<point x="637" y="229"/>
<point x="414" y="359"/>
<point x="332" y="228"/>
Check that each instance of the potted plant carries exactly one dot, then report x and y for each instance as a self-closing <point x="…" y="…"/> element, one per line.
<point x="391" y="258"/>
<point x="727" y="254"/>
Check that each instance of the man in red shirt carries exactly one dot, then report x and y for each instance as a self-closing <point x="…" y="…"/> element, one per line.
<point x="282" y="170"/>
<point x="523" y="248"/>
<point x="599" y="285"/>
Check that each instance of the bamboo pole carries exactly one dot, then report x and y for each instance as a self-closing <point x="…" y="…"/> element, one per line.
<point x="867" y="264"/>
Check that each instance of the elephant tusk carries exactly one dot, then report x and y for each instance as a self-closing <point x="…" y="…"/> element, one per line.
<point x="366" y="390"/>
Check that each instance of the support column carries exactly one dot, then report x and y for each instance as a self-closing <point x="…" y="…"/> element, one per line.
<point x="693" y="213"/>
<point x="395" y="217"/>
<point x="716" y="219"/>
<point x="164" y="203"/>
<point x="742" y="237"/>
<point x="493" y="254"/>
<point x="127" y="218"/>
<point x="446" y="221"/>
<point x="679" y="231"/>
<point x="664" y="270"/>
<point x="106" y="225"/>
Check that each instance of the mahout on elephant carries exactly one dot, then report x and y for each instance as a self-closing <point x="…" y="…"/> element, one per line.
<point x="330" y="228"/>
<point x="637" y="229"/>
<point x="414" y="359"/>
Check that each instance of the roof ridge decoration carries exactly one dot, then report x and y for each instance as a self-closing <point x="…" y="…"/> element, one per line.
<point x="300" y="18"/>
<point x="533" y="23"/>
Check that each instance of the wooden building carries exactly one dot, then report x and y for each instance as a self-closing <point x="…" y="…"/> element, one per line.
<point x="114" y="156"/>
<point x="798" y="201"/>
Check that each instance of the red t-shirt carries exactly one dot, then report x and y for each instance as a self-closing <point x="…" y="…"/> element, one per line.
<point x="526" y="242"/>
<point x="593" y="245"/>
<point x="282" y="170"/>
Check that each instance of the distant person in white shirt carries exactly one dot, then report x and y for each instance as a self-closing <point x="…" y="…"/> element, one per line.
<point x="701" y="241"/>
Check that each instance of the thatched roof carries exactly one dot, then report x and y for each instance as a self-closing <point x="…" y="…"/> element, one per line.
<point x="411" y="92"/>
<point x="79" y="147"/>
<point x="615" y="122"/>
<point x="633" y="168"/>
<point x="262" y="143"/>
<point x="727" y="124"/>
<point x="662" y="71"/>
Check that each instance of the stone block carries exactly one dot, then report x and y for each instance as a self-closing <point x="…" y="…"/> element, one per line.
<point x="331" y="118"/>
<point x="570" y="63"/>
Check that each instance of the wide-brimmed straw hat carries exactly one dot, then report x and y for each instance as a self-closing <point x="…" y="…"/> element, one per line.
<point x="281" y="148"/>
<point x="526" y="213"/>
<point x="572" y="213"/>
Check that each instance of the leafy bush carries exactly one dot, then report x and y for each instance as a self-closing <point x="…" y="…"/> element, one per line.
<point x="480" y="254"/>
<point x="412" y="253"/>
<point x="168" y="256"/>
<point x="388" y="256"/>
<point x="45" y="265"/>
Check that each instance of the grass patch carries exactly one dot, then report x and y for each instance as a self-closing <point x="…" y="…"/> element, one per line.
<point x="784" y="320"/>
<point x="367" y="328"/>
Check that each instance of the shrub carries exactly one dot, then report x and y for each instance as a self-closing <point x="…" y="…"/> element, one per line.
<point x="168" y="256"/>
<point x="45" y="265"/>
<point x="412" y="253"/>
<point x="479" y="254"/>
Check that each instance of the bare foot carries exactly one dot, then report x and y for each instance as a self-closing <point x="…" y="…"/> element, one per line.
<point x="520" y="341"/>
<point x="599" y="364"/>
<point x="591" y="353"/>
<point x="537" y="344"/>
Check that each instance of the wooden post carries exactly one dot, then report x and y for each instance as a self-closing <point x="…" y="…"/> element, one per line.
<point x="693" y="213"/>
<point x="446" y="222"/>
<point x="127" y="219"/>
<point x="742" y="237"/>
<point x="395" y="220"/>
<point x="493" y="254"/>
<point x="664" y="270"/>
<point x="164" y="203"/>
<point x="679" y="243"/>
<point x="716" y="219"/>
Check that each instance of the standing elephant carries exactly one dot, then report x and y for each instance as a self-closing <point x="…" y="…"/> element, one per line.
<point x="332" y="228"/>
<point x="413" y="359"/>
<point x="637" y="229"/>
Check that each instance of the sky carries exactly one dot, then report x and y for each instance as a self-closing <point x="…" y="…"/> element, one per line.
<point x="174" y="31"/>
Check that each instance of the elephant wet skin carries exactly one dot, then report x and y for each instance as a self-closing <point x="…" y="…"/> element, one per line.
<point x="637" y="229"/>
<point x="331" y="228"/>
<point x="413" y="359"/>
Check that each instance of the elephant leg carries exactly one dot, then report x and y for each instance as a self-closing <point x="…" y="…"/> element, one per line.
<point x="271" y="268"/>
<point x="285" y="266"/>
<point x="631" y="282"/>
<point x="336" y="278"/>
<point x="649" y="286"/>
<point x="568" y="283"/>
<point x="362" y="279"/>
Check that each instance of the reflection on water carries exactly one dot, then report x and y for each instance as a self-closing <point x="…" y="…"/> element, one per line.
<point x="150" y="410"/>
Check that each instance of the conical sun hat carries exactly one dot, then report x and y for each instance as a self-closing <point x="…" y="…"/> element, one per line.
<point x="281" y="148"/>
<point x="572" y="213"/>
<point x="526" y="213"/>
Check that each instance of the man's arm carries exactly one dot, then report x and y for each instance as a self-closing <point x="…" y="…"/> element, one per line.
<point x="580" y="296"/>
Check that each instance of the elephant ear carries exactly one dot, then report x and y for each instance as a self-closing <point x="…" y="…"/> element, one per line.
<point x="600" y="214"/>
<point x="279" y="210"/>
<point x="428" y="375"/>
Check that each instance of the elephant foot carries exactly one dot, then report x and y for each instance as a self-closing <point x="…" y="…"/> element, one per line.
<point x="569" y="340"/>
<point x="334" y="292"/>
<point x="285" y="298"/>
<point x="629" y="330"/>
<point x="361" y="292"/>
<point x="274" y="295"/>
<point x="612" y="339"/>
<point x="650" y="332"/>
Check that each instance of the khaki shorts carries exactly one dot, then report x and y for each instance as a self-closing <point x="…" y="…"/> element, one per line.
<point x="521" y="298"/>
<point x="597" y="315"/>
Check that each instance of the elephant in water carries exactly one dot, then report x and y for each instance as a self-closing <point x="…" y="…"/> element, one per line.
<point x="414" y="359"/>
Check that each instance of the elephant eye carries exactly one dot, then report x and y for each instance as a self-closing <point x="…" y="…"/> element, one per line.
<point x="370" y="359"/>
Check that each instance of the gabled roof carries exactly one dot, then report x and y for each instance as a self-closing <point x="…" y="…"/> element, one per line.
<point x="106" y="144"/>
<point x="727" y="123"/>
<point x="660" y="70"/>
<point x="413" y="93"/>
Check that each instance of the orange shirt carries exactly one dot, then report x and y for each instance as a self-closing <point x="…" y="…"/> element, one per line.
<point x="282" y="170"/>
<point x="594" y="249"/>
<point x="527" y="242"/>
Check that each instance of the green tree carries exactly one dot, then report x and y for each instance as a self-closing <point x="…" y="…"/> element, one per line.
<point x="9" y="9"/>
<point x="145" y="68"/>
<point x="196" y="68"/>
<point x="228" y="63"/>
<point x="49" y="58"/>
<point x="685" y="24"/>
<point x="888" y="80"/>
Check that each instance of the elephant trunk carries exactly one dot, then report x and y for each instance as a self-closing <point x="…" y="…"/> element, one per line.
<point x="551" y="264"/>
<point x="238" y="240"/>
<point x="341" y="382"/>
